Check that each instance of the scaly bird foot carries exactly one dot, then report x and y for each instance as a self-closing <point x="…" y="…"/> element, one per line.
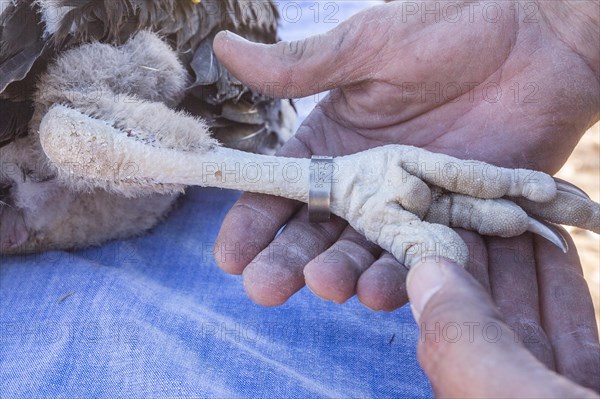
<point x="406" y="199"/>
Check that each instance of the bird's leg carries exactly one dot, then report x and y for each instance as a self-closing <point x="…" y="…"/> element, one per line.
<point x="375" y="190"/>
<point x="94" y="150"/>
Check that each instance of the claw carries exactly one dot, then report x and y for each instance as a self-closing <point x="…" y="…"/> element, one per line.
<point x="563" y="185"/>
<point x="549" y="232"/>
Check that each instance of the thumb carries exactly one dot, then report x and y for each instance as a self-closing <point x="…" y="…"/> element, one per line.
<point x="465" y="348"/>
<point x="292" y="69"/>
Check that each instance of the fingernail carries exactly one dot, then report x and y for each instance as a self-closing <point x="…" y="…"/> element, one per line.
<point x="423" y="281"/>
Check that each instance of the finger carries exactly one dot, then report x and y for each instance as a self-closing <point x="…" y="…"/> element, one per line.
<point x="383" y="285"/>
<point x="248" y="228"/>
<point x="513" y="280"/>
<point x="276" y="272"/>
<point x="333" y="275"/>
<point x="293" y="69"/>
<point x="253" y="222"/>
<point x="477" y="265"/>
<point x="568" y="313"/>
<point x="465" y="348"/>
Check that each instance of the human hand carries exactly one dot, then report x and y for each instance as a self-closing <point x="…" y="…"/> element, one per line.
<point x="470" y="344"/>
<point x="380" y="64"/>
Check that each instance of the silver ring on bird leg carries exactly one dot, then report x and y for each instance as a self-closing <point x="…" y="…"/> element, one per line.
<point x="319" y="194"/>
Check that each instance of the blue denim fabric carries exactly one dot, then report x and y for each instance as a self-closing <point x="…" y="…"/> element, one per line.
<point x="155" y="317"/>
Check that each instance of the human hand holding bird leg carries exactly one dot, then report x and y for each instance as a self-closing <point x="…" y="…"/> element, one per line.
<point x="70" y="138"/>
<point x="513" y="287"/>
<point x="375" y="63"/>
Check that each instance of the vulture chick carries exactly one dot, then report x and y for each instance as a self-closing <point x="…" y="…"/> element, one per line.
<point x="106" y="58"/>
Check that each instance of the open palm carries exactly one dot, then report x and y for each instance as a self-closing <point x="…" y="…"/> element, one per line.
<point x="509" y="92"/>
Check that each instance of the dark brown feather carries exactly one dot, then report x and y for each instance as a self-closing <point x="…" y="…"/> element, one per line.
<point x="20" y="41"/>
<point x="14" y="117"/>
<point x="21" y="28"/>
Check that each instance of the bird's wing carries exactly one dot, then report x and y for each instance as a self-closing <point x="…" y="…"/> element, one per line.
<point x="14" y="117"/>
<point x="21" y="47"/>
<point x="21" y="43"/>
<point x="240" y="117"/>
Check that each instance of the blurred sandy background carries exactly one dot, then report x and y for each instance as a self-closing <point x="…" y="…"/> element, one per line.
<point x="583" y="169"/>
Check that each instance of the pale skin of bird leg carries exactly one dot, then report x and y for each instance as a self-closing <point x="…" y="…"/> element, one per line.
<point x="566" y="208"/>
<point x="370" y="189"/>
<point x="385" y="202"/>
